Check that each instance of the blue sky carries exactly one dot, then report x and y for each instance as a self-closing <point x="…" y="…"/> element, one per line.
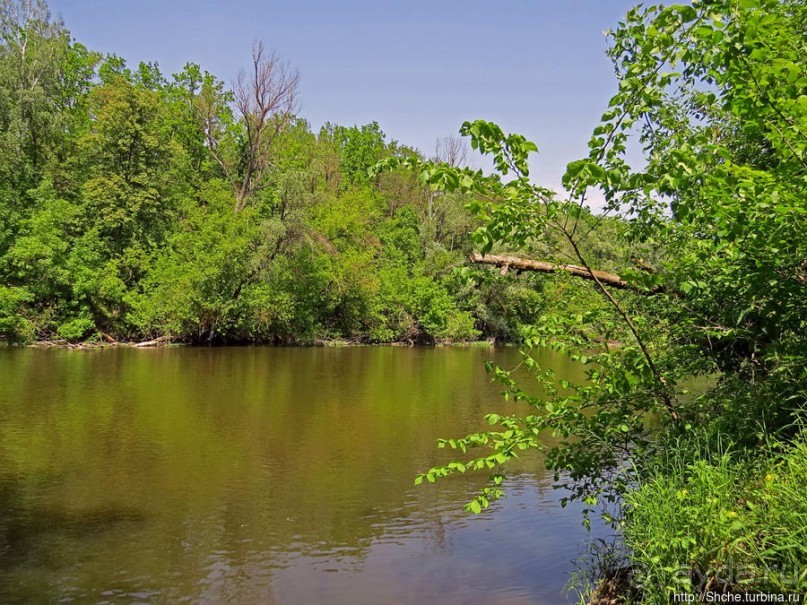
<point x="417" y="68"/>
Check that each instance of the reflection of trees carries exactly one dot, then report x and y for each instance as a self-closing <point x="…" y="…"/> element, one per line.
<point x="218" y="467"/>
<point x="35" y="539"/>
<point x="438" y="536"/>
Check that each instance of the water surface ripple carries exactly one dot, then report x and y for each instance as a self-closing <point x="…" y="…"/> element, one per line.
<point x="263" y="475"/>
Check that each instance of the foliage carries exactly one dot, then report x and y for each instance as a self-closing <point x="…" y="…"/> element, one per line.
<point x="14" y="326"/>
<point x="192" y="287"/>
<point x="76" y="329"/>
<point x="137" y="205"/>
<point x="717" y="521"/>
<point x="720" y="206"/>
<point x="360" y="148"/>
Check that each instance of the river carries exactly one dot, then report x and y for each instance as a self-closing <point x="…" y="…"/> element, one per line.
<point x="265" y="475"/>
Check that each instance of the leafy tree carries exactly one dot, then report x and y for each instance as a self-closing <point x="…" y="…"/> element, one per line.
<point x="130" y="159"/>
<point x="44" y="79"/>
<point x="695" y="86"/>
<point x="360" y="148"/>
<point x="32" y="49"/>
<point x="194" y="286"/>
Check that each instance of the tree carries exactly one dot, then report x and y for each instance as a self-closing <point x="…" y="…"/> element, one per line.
<point x="32" y="48"/>
<point x="44" y="79"/>
<point x="361" y="147"/>
<point x="722" y="195"/>
<point x="451" y="150"/>
<point x="264" y="99"/>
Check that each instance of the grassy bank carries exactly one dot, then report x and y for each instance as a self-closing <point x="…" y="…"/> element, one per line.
<point x="711" y="517"/>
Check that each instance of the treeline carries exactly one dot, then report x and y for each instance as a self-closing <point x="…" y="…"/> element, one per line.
<point x="136" y="205"/>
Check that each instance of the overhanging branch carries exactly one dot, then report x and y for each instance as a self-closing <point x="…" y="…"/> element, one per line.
<point x="527" y="264"/>
<point x="517" y="263"/>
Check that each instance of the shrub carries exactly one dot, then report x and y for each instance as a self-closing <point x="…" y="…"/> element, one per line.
<point x="14" y="327"/>
<point x="77" y="329"/>
<point x="719" y="523"/>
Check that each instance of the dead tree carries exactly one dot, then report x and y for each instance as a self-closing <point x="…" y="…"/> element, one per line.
<point x="264" y="100"/>
<point x="517" y="263"/>
<point x="452" y="151"/>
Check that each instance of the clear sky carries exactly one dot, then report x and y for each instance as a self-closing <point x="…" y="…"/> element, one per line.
<point x="418" y="68"/>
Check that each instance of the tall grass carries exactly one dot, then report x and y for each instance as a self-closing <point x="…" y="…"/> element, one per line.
<point x="710" y="518"/>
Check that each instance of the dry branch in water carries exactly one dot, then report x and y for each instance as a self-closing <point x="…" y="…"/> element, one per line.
<point x="153" y="343"/>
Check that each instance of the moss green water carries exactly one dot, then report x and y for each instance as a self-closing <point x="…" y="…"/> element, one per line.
<point x="262" y="475"/>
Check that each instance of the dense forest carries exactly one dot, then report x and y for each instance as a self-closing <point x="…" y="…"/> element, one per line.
<point x="134" y="205"/>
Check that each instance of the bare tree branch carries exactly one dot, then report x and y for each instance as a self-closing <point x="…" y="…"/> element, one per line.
<point x="452" y="151"/>
<point x="265" y="100"/>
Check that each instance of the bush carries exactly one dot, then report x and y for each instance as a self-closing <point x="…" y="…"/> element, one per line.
<point x="76" y="330"/>
<point x="14" y="327"/>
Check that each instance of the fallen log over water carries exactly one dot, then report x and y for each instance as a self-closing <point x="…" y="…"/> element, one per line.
<point x="506" y="262"/>
<point x="527" y="264"/>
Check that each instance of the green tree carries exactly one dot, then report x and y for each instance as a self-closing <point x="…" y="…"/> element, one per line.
<point x="360" y="148"/>
<point x="44" y="79"/>
<point x="722" y="195"/>
<point x="32" y="50"/>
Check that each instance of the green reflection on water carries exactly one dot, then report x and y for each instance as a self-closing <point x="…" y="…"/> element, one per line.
<point x="241" y="474"/>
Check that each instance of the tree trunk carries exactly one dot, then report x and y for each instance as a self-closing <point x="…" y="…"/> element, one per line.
<point x="154" y="343"/>
<point x="527" y="264"/>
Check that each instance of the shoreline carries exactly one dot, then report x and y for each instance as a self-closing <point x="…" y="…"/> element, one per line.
<point x="168" y="342"/>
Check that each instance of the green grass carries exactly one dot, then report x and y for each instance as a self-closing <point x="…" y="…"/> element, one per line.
<point x="710" y="518"/>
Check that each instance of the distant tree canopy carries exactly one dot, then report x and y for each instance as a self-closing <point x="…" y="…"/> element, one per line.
<point x="134" y="204"/>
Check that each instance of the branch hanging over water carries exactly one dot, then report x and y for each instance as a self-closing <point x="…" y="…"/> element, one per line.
<point x="527" y="264"/>
<point x="506" y="262"/>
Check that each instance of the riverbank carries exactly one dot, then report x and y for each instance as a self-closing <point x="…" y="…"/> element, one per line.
<point x="711" y="516"/>
<point x="167" y="341"/>
<point x="104" y="342"/>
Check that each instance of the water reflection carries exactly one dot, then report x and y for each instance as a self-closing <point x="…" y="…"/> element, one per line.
<point x="264" y="475"/>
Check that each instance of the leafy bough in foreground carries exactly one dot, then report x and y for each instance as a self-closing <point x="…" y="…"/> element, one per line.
<point x="585" y="430"/>
<point x="593" y="424"/>
<point x="720" y="197"/>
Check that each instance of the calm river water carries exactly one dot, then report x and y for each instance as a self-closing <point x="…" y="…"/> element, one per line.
<point x="264" y="475"/>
